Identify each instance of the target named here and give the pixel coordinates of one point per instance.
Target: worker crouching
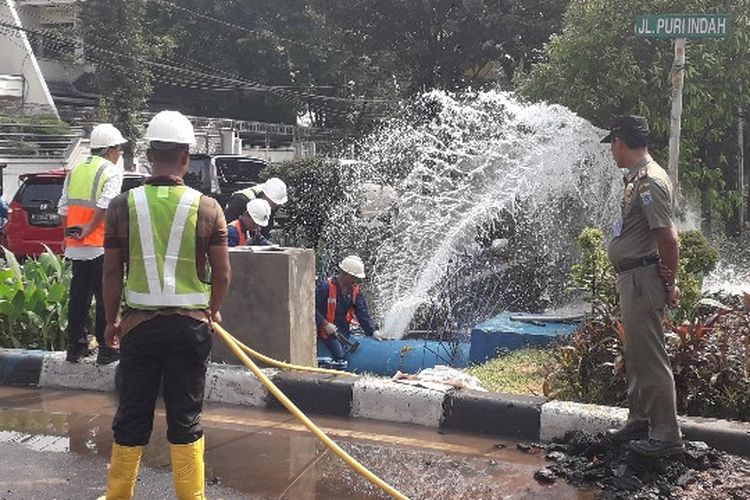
(166, 235)
(338, 301)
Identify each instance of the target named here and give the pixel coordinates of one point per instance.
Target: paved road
(55, 445)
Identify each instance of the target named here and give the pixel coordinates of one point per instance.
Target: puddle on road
(265, 454)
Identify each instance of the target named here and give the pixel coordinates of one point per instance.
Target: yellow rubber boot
(123, 472)
(188, 472)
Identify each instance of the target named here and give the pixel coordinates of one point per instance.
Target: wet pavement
(56, 444)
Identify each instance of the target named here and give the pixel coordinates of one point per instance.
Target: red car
(33, 220)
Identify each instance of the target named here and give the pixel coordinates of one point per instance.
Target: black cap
(629, 127)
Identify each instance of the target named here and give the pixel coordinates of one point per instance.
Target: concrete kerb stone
(509, 415)
(559, 417)
(20, 366)
(382, 399)
(235, 385)
(316, 392)
(86, 375)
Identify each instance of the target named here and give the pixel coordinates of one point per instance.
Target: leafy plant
(315, 187)
(594, 274)
(588, 366)
(697, 258)
(34, 301)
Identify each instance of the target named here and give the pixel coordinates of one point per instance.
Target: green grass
(517, 372)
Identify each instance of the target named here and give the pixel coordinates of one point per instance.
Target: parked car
(33, 220)
(221, 175)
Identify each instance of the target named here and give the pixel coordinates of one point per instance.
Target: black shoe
(634, 429)
(76, 351)
(656, 449)
(107, 355)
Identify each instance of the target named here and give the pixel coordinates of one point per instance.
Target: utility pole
(675, 128)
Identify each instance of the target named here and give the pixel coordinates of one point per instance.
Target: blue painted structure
(502, 332)
(386, 357)
(487, 340)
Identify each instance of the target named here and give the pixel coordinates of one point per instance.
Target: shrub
(709, 350)
(314, 190)
(697, 259)
(594, 274)
(34, 302)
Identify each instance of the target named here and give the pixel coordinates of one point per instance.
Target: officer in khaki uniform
(644, 239)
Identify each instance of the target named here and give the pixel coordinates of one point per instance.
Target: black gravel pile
(585, 460)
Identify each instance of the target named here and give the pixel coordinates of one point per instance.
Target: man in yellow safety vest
(167, 236)
(273, 191)
(86, 194)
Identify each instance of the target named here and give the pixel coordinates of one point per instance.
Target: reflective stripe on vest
(251, 192)
(238, 226)
(162, 272)
(333, 302)
(85, 185)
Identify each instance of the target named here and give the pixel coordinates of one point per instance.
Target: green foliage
(710, 359)
(438, 44)
(34, 302)
(588, 367)
(515, 372)
(315, 188)
(125, 81)
(709, 352)
(599, 68)
(594, 274)
(697, 255)
(697, 258)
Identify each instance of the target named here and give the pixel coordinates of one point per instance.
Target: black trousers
(86, 284)
(172, 351)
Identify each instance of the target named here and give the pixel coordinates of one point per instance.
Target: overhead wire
(206, 81)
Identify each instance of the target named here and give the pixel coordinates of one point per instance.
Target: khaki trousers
(651, 390)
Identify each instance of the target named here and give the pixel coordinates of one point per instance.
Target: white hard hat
(353, 265)
(260, 211)
(105, 135)
(170, 126)
(275, 189)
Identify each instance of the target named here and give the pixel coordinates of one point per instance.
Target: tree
(599, 68)
(399, 47)
(117, 42)
(274, 44)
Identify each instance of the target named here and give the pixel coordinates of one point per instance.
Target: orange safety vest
(238, 226)
(331, 306)
(81, 210)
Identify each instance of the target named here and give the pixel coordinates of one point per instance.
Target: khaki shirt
(647, 205)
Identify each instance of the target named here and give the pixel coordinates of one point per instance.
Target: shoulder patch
(646, 198)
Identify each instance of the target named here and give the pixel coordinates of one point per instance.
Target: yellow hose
(354, 464)
(286, 366)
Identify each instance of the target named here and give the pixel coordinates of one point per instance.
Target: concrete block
(315, 392)
(271, 305)
(559, 417)
(730, 436)
(508, 415)
(382, 399)
(20, 366)
(86, 375)
(235, 385)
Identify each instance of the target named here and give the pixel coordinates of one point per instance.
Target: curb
(20, 366)
(504, 415)
(510, 415)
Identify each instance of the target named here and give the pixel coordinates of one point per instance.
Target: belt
(632, 264)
